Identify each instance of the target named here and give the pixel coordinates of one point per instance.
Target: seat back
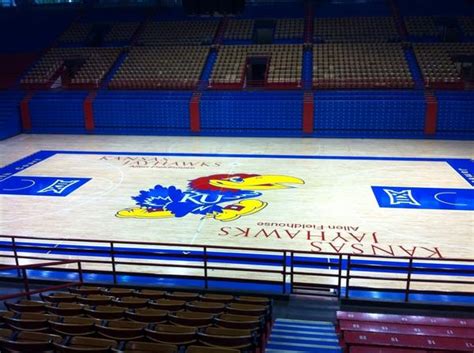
(167, 304)
(122, 330)
(147, 315)
(206, 307)
(104, 312)
(134, 346)
(26, 306)
(179, 335)
(29, 342)
(192, 319)
(65, 309)
(203, 349)
(85, 344)
(74, 326)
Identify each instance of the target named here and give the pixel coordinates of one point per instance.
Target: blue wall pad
(369, 113)
(144, 112)
(10, 124)
(278, 111)
(58, 112)
(455, 113)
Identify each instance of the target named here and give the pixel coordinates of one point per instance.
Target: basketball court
(393, 198)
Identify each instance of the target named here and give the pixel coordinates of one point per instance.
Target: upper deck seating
(360, 65)
(178, 33)
(355, 29)
(161, 67)
(285, 64)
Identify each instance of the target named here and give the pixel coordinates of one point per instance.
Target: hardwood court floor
(316, 195)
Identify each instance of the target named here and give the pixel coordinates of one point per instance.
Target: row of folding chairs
(11, 341)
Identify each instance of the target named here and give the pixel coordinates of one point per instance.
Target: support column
(25, 111)
(431, 115)
(308, 113)
(89, 111)
(194, 112)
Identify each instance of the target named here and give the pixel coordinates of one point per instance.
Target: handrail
(224, 247)
(298, 269)
(26, 286)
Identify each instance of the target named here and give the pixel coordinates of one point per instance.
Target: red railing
(293, 271)
(23, 273)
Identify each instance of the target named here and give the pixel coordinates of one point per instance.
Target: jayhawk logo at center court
(223, 197)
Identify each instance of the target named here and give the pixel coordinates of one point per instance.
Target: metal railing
(288, 271)
(22, 272)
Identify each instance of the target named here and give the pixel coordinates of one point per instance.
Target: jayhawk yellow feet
(141, 212)
(237, 210)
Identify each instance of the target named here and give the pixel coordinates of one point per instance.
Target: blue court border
(462, 166)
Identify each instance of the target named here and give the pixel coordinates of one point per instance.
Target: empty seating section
(178, 33)
(371, 333)
(289, 28)
(360, 65)
(76, 33)
(121, 32)
(239, 29)
(467, 25)
(161, 67)
(421, 26)
(284, 70)
(84, 67)
(437, 62)
(355, 29)
(38, 326)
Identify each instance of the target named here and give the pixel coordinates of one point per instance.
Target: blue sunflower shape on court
(224, 197)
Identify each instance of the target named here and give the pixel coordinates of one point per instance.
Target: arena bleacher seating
(76, 33)
(239, 29)
(421, 26)
(369, 332)
(178, 33)
(438, 62)
(284, 69)
(361, 65)
(467, 25)
(177, 67)
(125, 320)
(388, 46)
(90, 67)
(355, 29)
(288, 28)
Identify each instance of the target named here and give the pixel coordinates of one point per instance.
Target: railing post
(348, 274)
(15, 254)
(112, 256)
(284, 272)
(206, 282)
(407, 288)
(26, 284)
(339, 277)
(292, 276)
(79, 270)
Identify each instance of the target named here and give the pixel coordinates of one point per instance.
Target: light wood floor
(333, 211)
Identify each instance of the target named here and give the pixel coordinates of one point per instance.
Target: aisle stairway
(299, 336)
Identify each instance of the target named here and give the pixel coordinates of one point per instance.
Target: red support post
(308, 113)
(89, 111)
(25, 111)
(194, 112)
(431, 115)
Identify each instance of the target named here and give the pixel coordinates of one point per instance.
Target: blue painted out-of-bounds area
(424, 198)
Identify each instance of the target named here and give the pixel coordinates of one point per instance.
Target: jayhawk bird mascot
(206, 196)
